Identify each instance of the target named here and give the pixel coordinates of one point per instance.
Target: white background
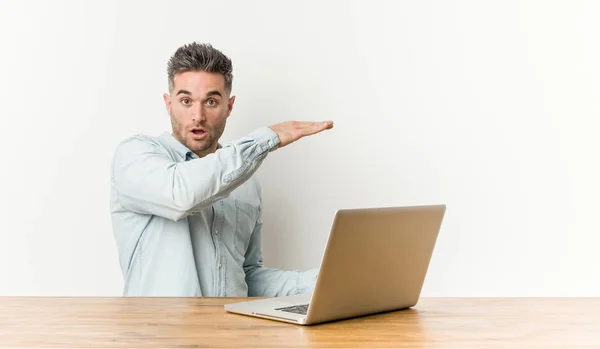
(490, 107)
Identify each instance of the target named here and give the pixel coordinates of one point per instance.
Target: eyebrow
(214, 93)
(185, 92)
(209, 94)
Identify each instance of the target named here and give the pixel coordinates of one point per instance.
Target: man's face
(199, 107)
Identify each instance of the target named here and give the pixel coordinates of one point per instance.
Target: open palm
(291, 131)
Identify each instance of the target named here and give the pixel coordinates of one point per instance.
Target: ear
(230, 105)
(167, 99)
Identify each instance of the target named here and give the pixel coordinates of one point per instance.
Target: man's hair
(200, 57)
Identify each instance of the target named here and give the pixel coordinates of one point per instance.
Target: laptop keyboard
(296, 309)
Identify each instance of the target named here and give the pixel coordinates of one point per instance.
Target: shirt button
(220, 265)
(217, 232)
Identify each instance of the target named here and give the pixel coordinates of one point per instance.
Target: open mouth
(198, 133)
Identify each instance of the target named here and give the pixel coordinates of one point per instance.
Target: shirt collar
(179, 148)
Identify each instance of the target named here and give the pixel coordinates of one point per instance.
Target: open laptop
(375, 261)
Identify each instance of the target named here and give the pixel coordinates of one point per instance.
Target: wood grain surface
(29, 322)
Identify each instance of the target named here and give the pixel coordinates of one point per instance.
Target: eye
(186, 101)
(211, 103)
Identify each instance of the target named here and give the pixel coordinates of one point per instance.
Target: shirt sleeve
(147, 181)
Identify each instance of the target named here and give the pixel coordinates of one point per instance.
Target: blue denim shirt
(188, 226)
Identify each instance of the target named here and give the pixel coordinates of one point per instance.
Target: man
(186, 210)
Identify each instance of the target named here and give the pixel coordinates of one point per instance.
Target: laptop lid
(376, 260)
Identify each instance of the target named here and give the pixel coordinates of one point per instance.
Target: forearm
(269, 282)
(148, 182)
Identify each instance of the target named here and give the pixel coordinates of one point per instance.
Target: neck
(211, 150)
(202, 154)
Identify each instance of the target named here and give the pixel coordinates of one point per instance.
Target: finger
(316, 128)
(317, 125)
(325, 125)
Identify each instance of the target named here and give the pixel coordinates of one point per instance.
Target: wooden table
(202, 323)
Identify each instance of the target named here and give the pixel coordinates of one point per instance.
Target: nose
(199, 114)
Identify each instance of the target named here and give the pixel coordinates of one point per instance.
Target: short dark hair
(200, 57)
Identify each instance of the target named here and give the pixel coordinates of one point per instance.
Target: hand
(291, 131)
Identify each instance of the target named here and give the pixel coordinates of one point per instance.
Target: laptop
(375, 261)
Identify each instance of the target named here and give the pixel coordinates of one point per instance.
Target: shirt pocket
(246, 216)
